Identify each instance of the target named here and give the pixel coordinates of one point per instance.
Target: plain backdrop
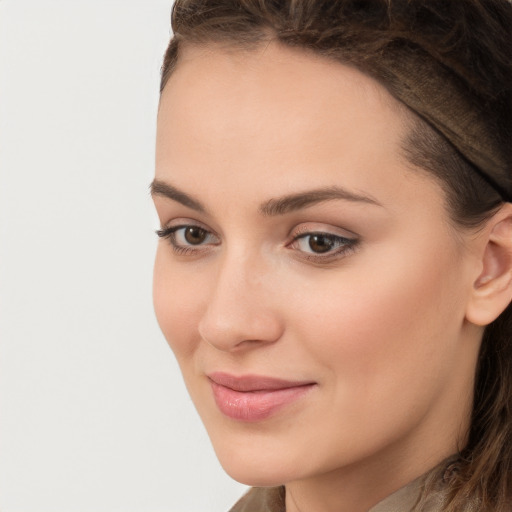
(94, 416)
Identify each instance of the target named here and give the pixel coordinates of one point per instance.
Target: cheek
(381, 343)
(176, 301)
(376, 327)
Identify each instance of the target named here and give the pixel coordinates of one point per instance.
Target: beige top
(272, 499)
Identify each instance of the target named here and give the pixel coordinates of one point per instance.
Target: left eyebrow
(300, 200)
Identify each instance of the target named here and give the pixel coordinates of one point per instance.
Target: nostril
(236, 332)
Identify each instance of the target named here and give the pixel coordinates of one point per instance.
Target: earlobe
(492, 289)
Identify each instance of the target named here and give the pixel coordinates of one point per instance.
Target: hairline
(413, 125)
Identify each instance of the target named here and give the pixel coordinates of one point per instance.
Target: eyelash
(170, 234)
(343, 245)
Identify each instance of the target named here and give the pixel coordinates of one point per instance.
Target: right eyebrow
(160, 188)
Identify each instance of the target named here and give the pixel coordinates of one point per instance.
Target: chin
(254, 464)
(255, 476)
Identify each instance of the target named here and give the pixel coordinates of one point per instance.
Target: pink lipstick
(254, 398)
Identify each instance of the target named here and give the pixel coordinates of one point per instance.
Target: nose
(241, 309)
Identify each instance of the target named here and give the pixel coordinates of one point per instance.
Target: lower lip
(253, 406)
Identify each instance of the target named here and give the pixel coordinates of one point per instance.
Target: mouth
(252, 398)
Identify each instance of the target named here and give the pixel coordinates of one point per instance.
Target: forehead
(283, 79)
(277, 114)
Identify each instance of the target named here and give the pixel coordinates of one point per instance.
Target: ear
(492, 290)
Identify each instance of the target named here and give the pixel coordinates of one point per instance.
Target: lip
(253, 398)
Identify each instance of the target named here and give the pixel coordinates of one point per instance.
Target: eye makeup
(315, 245)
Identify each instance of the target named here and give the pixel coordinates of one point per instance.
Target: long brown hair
(451, 64)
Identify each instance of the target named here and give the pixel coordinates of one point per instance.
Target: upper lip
(254, 382)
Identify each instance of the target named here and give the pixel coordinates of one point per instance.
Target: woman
(334, 273)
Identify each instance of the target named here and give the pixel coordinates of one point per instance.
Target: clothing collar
(272, 499)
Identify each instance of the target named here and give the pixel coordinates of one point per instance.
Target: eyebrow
(160, 188)
(300, 200)
(272, 207)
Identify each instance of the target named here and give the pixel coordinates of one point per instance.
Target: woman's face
(308, 279)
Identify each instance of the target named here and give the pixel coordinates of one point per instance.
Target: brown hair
(450, 63)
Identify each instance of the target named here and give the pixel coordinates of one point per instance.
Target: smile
(253, 398)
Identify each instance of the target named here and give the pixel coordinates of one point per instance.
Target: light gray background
(93, 412)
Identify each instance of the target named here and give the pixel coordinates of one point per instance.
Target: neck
(361, 486)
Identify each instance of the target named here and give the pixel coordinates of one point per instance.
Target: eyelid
(327, 229)
(347, 242)
(169, 232)
(184, 222)
(344, 241)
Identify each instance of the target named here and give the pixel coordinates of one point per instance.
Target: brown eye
(195, 235)
(190, 237)
(320, 243)
(323, 246)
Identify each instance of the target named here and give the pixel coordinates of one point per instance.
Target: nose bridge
(240, 307)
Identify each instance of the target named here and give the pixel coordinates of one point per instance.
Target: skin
(381, 326)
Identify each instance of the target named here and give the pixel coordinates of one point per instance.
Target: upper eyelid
(296, 232)
(325, 233)
(170, 233)
(178, 227)
(184, 222)
(304, 230)
(346, 241)
(346, 244)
